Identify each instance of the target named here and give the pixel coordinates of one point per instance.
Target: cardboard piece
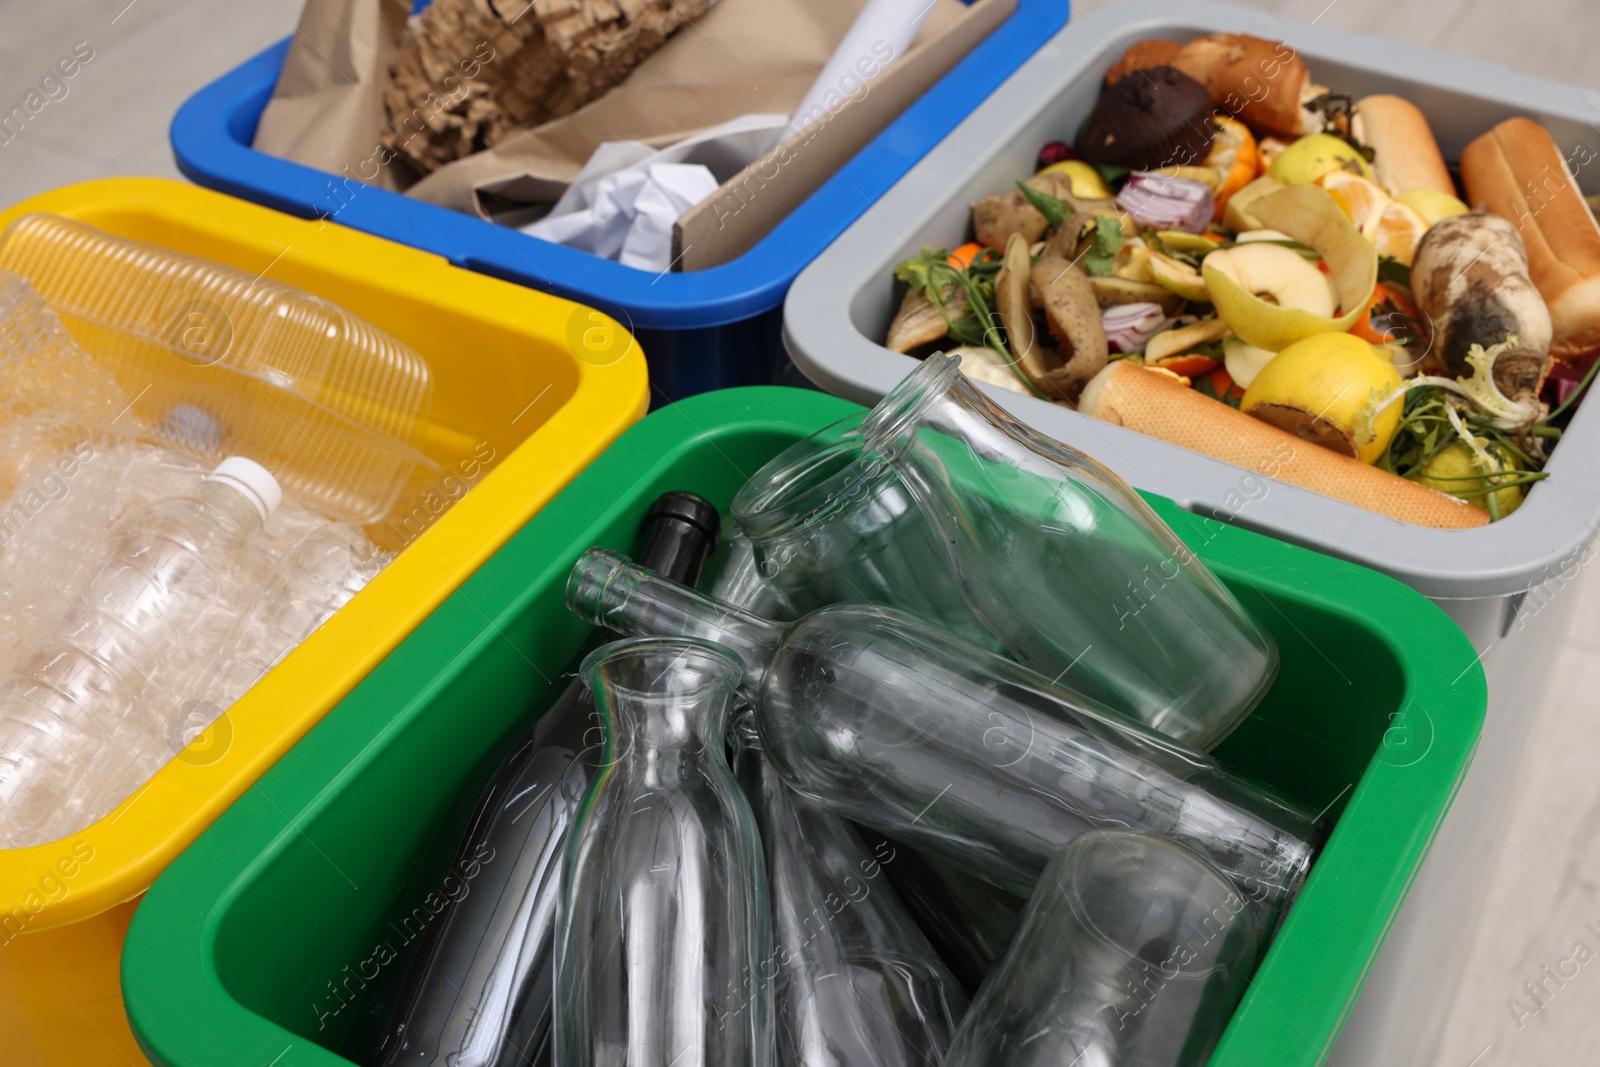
(747, 206)
(741, 57)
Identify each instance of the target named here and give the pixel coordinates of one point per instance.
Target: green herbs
(1055, 211)
(1393, 272)
(1102, 252)
(1436, 420)
(1108, 235)
(1205, 386)
(971, 319)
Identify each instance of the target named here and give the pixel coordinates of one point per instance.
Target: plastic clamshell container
(284, 931)
(700, 330)
(517, 411)
(839, 309)
(222, 361)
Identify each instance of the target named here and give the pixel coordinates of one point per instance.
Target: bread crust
(1154, 404)
(1516, 171)
(1405, 154)
(1142, 55)
(1260, 82)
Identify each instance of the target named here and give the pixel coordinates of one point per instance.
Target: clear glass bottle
(1133, 952)
(480, 990)
(829, 524)
(855, 982)
(1067, 566)
(968, 921)
(895, 724)
(740, 581)
(663, 932)
(165, 592)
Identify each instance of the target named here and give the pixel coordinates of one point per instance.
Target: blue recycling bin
(700, 330)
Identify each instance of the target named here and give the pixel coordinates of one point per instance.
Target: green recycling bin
(283, 934)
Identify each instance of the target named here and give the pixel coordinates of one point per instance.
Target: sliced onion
(1164, 203)
(1129, 327)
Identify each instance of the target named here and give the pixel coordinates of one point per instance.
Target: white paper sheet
(624, 202)
(879, 35)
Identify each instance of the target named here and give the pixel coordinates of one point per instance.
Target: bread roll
(1129, 395)
(1261, 83)
(1515, 171)
(1405, 155)
(1143, 55)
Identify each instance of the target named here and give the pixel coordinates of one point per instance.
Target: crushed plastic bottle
(53, 396)
(166, 591)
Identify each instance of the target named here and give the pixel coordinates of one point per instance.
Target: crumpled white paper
(623, 204)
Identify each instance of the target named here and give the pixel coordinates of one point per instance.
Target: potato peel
(1309, 215)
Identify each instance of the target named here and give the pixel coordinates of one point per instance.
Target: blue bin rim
(211, 131)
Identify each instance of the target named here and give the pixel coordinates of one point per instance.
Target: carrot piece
(1188, 366)
(961, 258)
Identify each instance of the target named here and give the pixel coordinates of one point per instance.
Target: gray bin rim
(1546, 540)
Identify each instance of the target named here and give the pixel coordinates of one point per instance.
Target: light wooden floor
(151, 54)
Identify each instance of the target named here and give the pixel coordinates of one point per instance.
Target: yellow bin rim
(117, 858)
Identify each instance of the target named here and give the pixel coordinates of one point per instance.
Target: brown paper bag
(327, 110)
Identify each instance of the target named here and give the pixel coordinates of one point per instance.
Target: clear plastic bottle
(664, 930)
(900, 726)
(855, 983)
(1132, 952)
(162, 599)
(317, 576)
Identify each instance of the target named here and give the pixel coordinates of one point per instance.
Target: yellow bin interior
(523, 399)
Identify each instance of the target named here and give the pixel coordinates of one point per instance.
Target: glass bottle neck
(607, 589)
(662, 697)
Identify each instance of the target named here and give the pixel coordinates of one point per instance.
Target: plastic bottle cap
(252, 480)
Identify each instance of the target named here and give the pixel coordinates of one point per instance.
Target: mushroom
(1073, 315)
(920, 321)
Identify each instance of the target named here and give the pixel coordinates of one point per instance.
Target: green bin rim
(1299, 997)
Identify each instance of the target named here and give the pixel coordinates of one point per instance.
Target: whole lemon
(1314, 155)
(1321, 389)
(1457, 470)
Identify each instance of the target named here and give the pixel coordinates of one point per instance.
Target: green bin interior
(281, 936)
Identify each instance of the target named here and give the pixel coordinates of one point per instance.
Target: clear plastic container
(221, 362)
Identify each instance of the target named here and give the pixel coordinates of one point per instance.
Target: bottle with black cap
(479, 991)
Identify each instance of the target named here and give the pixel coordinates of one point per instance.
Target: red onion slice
(1164, 203)
(1130, 326)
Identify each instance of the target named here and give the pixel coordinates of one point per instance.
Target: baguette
(1128, 395)
(1405, 154)
(1261, 83)
(1515, 171)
